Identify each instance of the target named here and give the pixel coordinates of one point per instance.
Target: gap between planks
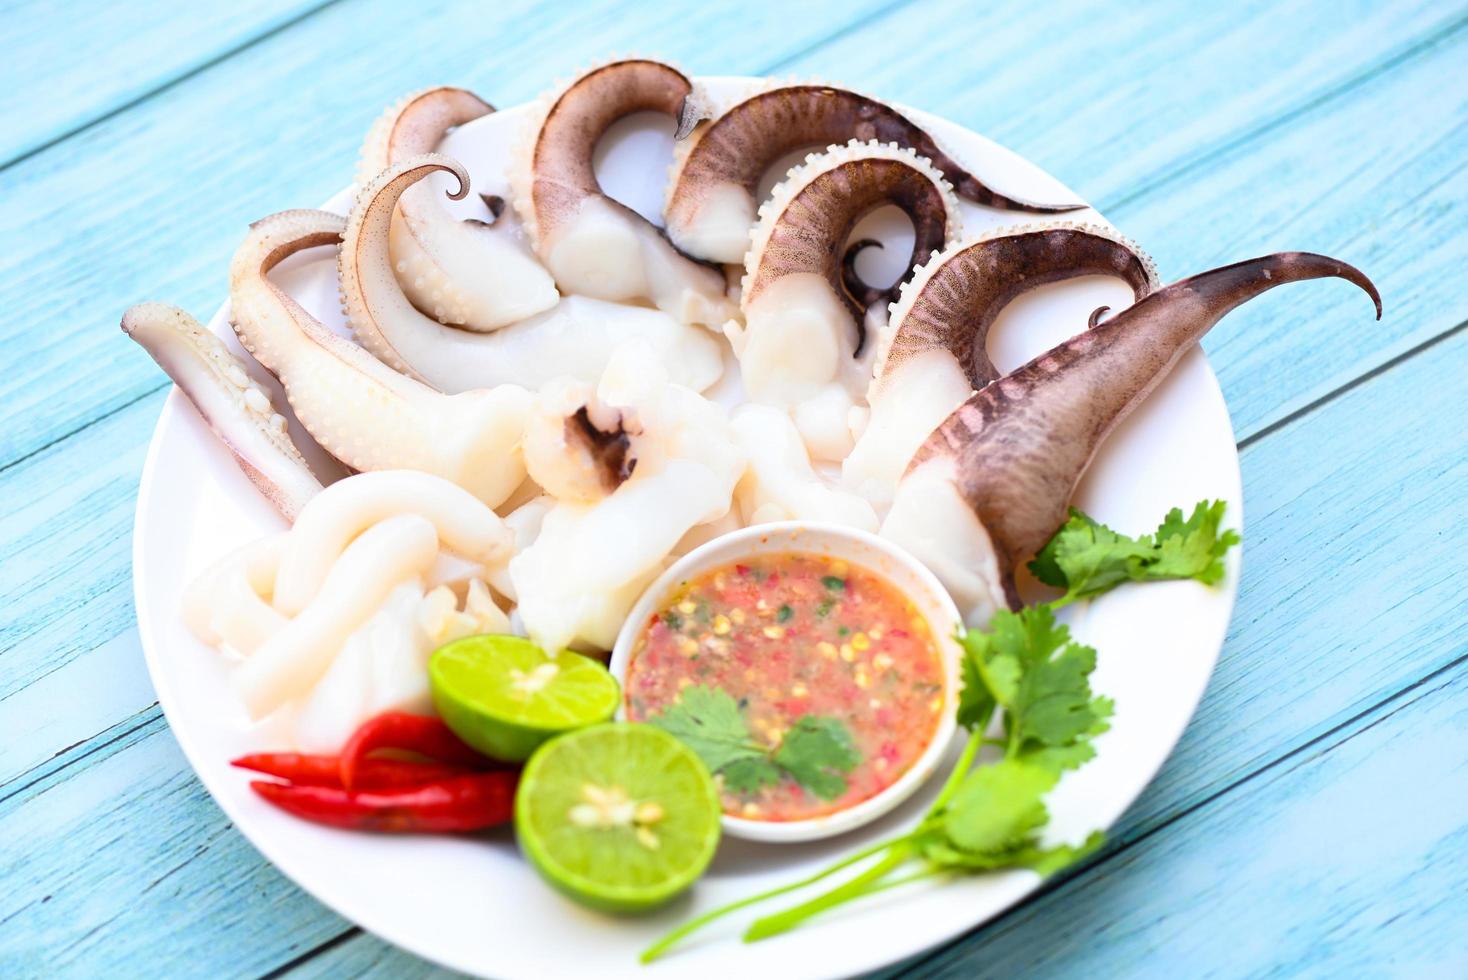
(164, 86)
(1401, 56)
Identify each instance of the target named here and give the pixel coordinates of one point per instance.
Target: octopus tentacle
(592, 244)
(577, 336)
(711, 196)
(1012, 454)
(463, 273)
(360, 410)
(953, 300)
(238, 411)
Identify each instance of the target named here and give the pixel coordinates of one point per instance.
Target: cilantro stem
(964, 764)
(672, 938)
(867, 881)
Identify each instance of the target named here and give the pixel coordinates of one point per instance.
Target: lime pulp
(620, 816)
(505, 696)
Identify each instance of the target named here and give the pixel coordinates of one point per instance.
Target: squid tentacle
(711, 196)
(462, 273)
(237, 410)
(953, 300)
(592, 244)
(1013, 453)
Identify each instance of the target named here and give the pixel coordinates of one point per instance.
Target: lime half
(504, 695)
(620, 817)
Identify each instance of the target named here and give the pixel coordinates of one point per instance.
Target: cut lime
(504, 695)
(620, 817)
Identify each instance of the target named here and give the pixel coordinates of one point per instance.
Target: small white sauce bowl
(905, 573)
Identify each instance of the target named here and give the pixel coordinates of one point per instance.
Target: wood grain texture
(69, 63)
(1233, 131)
(1311, 646)
(1209, 134)
(221, 137)
(279, 126)
(1350, 859)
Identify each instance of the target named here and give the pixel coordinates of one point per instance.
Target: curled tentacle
(711, 196)
(952, 302)
(593, 245)
(575, 337)
(995, 478)
(460, 272)
(803, 323)
(237, 410)
(360, 410)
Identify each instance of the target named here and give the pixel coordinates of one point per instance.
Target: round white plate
(473, 904)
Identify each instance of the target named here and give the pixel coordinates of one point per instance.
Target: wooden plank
(103, 856)
(278, 126)
(221, 137)
(1347, 598)
(1233, 132)
(70, 63)
(1350, 859)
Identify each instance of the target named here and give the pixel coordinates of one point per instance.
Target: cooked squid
(234, 407)
(590, 560)
(593, 245)
(716, 174)
(467, 273)
(360, 410)
(575, 336)
(990, 486)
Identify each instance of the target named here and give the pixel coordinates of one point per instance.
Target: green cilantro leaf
(1087, 558)
(975, 703)
(748, 776)
(996, 808)
(817, 752)
(1192, 548)
(1028, 665)
(710, 723)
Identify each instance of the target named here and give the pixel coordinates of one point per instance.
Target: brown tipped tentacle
(561, 165)
(809, 217)
(237, 409)
(953, 301)
(592, 244)
(1019, 446)
(735, 150)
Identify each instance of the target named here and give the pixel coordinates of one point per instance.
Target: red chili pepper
(472, 802)
(424, 734)
(326, 770)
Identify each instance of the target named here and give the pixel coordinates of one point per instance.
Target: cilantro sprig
(1027, 680)
(816, 752)
(1086, 558)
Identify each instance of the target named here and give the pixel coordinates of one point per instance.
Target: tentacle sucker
(593, 245)
(238, 411)
(359, 409)
(577, 336)
(953, 300)
(992, 483)
(934, 352)
(461, 272)
(803, 325)
(711, 194)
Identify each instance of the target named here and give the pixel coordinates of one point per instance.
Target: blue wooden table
(1314, 818)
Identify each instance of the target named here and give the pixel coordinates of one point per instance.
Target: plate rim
(888, 954)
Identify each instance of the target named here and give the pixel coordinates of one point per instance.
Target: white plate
(474, 905)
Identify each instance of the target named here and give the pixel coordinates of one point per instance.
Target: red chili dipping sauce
(806, 683)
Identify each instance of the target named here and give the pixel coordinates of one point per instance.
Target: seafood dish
(635, 534)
